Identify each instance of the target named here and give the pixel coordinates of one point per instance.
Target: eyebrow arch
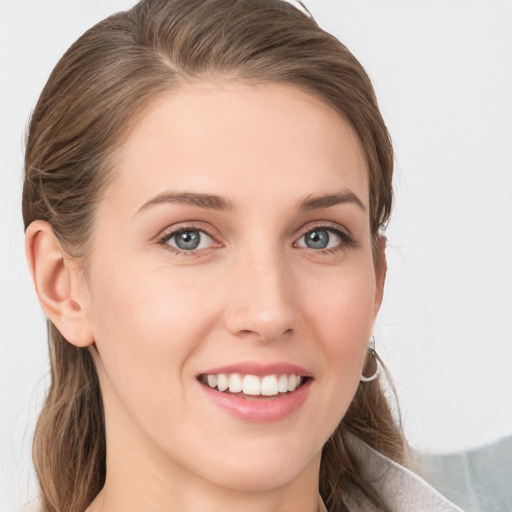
(328, 200)
(208, 201)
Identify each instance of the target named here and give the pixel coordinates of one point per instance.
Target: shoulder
(400, 488)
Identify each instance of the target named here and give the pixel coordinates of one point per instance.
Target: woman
(206, 185)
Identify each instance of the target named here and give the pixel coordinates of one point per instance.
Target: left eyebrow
(328, 200)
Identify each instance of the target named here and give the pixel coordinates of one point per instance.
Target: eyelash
(347, 241)
(183, 229)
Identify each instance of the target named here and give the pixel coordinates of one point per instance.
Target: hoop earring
(372, 354)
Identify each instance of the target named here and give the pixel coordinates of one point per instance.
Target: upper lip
(259, 369)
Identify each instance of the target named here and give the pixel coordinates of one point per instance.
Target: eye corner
(326, 233)
(198, 240)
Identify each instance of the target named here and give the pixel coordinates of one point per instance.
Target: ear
(381, 268)
(57, 282)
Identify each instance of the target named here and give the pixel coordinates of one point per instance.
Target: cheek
(341, 305)
(342, 314)
(143, 306)
(145, 327)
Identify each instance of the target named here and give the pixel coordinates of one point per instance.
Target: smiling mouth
(253, 386)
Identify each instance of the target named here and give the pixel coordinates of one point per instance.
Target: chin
(264, 467)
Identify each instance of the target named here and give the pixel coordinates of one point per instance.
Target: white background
(443, 74)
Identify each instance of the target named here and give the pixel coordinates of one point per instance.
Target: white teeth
(222, 382)
(268, 385)
(251, 385)
(292, 383)
(282, 384)
(235, 383)
(212, 381)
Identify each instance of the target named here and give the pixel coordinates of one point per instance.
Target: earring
(372, 354)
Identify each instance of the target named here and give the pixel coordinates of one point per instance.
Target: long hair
(94, 96)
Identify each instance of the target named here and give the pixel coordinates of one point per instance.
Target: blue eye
(321, 238)
(189, 240)
(318, 239)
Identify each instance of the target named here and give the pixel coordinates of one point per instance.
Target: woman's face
(232, 248)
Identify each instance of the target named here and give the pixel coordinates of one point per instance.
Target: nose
(260, 299)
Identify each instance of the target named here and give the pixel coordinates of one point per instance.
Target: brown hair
(94, 95)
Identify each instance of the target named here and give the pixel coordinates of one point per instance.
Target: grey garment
(479, 479)
(401, 489)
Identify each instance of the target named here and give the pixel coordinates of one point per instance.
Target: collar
(400, 488)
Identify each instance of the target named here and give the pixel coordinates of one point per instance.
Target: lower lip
(261, 409)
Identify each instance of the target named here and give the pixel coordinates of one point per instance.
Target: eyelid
(168, 233)
(165, 235)
(347, 240)
(323, 224)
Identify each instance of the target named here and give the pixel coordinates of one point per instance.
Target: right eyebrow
(208, 201)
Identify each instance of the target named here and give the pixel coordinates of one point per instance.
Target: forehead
(226, 136)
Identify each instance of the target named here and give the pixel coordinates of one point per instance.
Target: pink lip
(259, 409)
(259, 369)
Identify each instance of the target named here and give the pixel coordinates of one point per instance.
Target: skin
(253, 291)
